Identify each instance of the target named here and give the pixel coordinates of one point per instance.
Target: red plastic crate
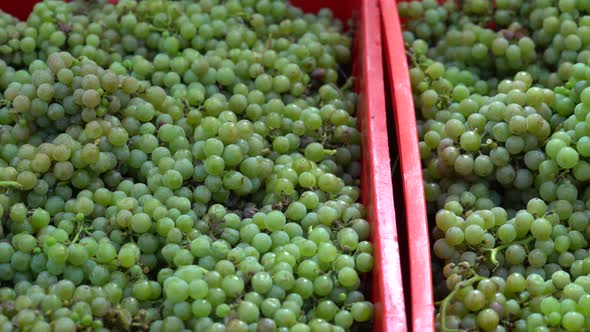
(386, 279)
(420, 277)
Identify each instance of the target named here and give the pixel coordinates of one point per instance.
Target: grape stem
(494, 252)
(154, 28)
(79, 232)
(347, 85)
(489, 143)
(444, 303)
(12, 184)
(75, 239)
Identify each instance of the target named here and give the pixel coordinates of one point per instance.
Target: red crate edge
(421, 292)
(388, 269)
(388, 293)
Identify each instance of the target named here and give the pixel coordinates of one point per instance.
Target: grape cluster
(505, 144)
(543, 38)
(180, 166)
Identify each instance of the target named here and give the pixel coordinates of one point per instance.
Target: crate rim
(421, 288)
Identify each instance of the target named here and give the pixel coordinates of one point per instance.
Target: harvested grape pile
(179, 166)
(502, 94)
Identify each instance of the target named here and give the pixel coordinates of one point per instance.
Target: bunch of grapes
(505, 144)
(180, 166)
(543, 38)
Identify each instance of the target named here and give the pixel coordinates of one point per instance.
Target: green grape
(170, 137)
